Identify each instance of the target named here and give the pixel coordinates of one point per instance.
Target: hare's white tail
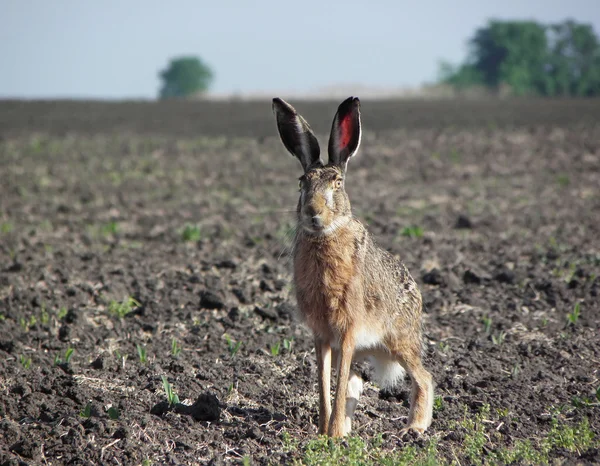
(387, 371)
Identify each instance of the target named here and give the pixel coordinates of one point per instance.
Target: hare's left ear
(345, 133)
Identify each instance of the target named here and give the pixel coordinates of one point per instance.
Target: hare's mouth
(317, 228)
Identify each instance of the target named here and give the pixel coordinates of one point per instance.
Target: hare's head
(323, 206)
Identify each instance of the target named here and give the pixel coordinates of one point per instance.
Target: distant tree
(531, 58)
(574, 64)
(185, 76)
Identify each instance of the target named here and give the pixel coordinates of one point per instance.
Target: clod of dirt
(266, 313)
(285, 310)
(210, 300)
(160, 408)
(26, 448)
(234, 314)
(98, 363)
(241, 295)
(463, 222)
(505, 275)
(205, 408)
(475, 275)
(226, 264)
(433, 277)
(7, 346)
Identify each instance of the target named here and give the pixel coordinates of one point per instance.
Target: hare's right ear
(295, 133)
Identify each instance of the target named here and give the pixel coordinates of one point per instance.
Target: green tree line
(531, 59)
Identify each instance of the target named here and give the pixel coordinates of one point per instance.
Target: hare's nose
(317, 221)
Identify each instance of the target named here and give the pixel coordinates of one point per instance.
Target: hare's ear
(345, 133)
(295, 133)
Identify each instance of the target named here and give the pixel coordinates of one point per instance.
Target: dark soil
(187, 208)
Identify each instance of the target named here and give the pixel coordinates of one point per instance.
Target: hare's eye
(338, 184)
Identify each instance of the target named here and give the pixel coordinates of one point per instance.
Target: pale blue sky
(113, 49)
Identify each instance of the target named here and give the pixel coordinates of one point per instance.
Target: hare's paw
(414, 430)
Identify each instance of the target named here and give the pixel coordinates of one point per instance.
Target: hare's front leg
(323, 351)
(338, 420)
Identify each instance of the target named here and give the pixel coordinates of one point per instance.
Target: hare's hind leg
(323, 351)
(355, 389)
(421, 397)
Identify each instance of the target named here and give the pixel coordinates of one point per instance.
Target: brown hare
(359, 302)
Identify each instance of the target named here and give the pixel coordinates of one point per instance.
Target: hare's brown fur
(358, 300)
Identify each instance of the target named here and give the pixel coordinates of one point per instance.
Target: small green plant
(499, 338)
(175, 348)
(232, 346)
(123, 308)
(515, 370)
(287, 344)
(26, 324)
(487, 324)
(111, 228)
(69, 354)
(438, 404)
(573, 317)
(274, 349)
(147, 462)
(475, 437)
(44, 317)
(113, 413)
(6, 227)
(191, 233)
(412, 231)
(454, 156)
(122, 357)
(563, 180)
(172, 397)
(141, 350)
(86, 412)
(443, 346)
(62, 313)
(2, 317)
(25, 362)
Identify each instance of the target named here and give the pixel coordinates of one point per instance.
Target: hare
(358, 300)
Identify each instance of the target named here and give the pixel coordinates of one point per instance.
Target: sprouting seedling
(233, 346)
(111, 228)
(69, 354)
(172, 397)
(141, 350)
(67, 357)
(274, 348)
(438, 403)
(287, 344)
(191, 233)
(86, 412)
(25, 362)
(113, 413)
(412, 231)
(573, 317)
(487, 324)
(515, 371)
(499, 338)
(62, 313)
(175, 348)
(124, 307)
